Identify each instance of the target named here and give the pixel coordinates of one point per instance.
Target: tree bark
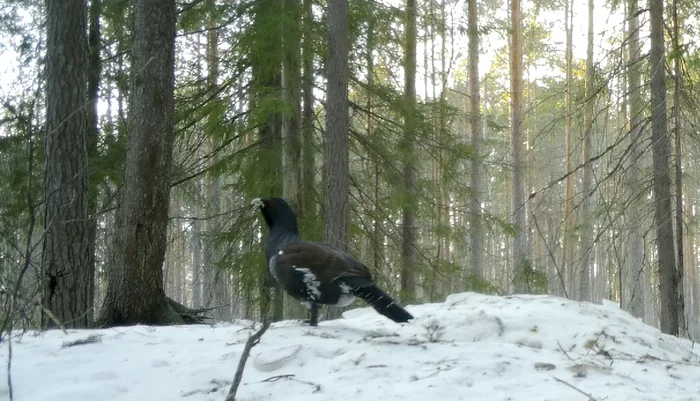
(67, 265)
(135, 291)
(408, 213)
(266, 59)
(661, 152)
(336, 154)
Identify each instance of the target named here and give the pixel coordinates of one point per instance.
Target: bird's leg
(314, 315)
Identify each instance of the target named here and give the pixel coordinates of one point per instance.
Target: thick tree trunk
(476, 234)
(408, 213)
(135, 291)
(336, 166)
(67, 265)
(266, 59)
(661, 150)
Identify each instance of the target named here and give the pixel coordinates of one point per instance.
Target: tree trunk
(584, 271)
(521, 264)
(476, 235)
(135, 291)
(308, 206)
(215, 286)
(266, 60)
(569, 217)
(376, 238)
(408, 213)
(682, 325)
(196, 245)
(291, 122)
(336, 167)
(94, 179)
(661, 150)
(633, 277)
(67, 265)
(443, 198)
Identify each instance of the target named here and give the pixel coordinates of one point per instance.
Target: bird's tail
(383, 303)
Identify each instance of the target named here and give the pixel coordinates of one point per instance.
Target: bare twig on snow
(590, 397)
(253, 340)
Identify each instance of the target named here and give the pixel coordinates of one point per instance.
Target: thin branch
(275, 378)
(7, 324)
(253, 340)
(590, 397)
(564, 351)
(205, 169)
(317, 387)
(560, 275)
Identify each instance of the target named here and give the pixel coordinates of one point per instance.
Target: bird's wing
(326, 263)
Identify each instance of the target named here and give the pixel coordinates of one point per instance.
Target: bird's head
(278, 215)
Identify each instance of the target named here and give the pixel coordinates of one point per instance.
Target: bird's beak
(258, 202)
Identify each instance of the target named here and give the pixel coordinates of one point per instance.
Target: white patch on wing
(311, 282)
(345, 300)
(271, 266)
(281, 252)
(346, 296)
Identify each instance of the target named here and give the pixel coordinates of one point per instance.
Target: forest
(500, 147)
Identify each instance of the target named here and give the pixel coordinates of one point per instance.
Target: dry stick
(562, 350)
(590, 397)
(317, 387)
(252, 341)
(275, 378)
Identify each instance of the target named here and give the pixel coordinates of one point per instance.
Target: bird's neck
(279, 238)
(282, 235)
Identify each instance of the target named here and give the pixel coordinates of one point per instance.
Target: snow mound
(470, 347)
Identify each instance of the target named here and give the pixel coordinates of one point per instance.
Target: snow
(470, 347)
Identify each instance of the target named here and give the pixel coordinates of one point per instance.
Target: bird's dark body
(317, 274)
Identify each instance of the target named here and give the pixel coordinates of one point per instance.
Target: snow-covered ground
(471, 347)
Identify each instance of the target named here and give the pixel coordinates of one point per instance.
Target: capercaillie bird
(318, 274)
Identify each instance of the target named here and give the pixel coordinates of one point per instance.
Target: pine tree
(67, 268)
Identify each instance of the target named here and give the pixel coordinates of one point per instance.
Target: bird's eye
(272, 203)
